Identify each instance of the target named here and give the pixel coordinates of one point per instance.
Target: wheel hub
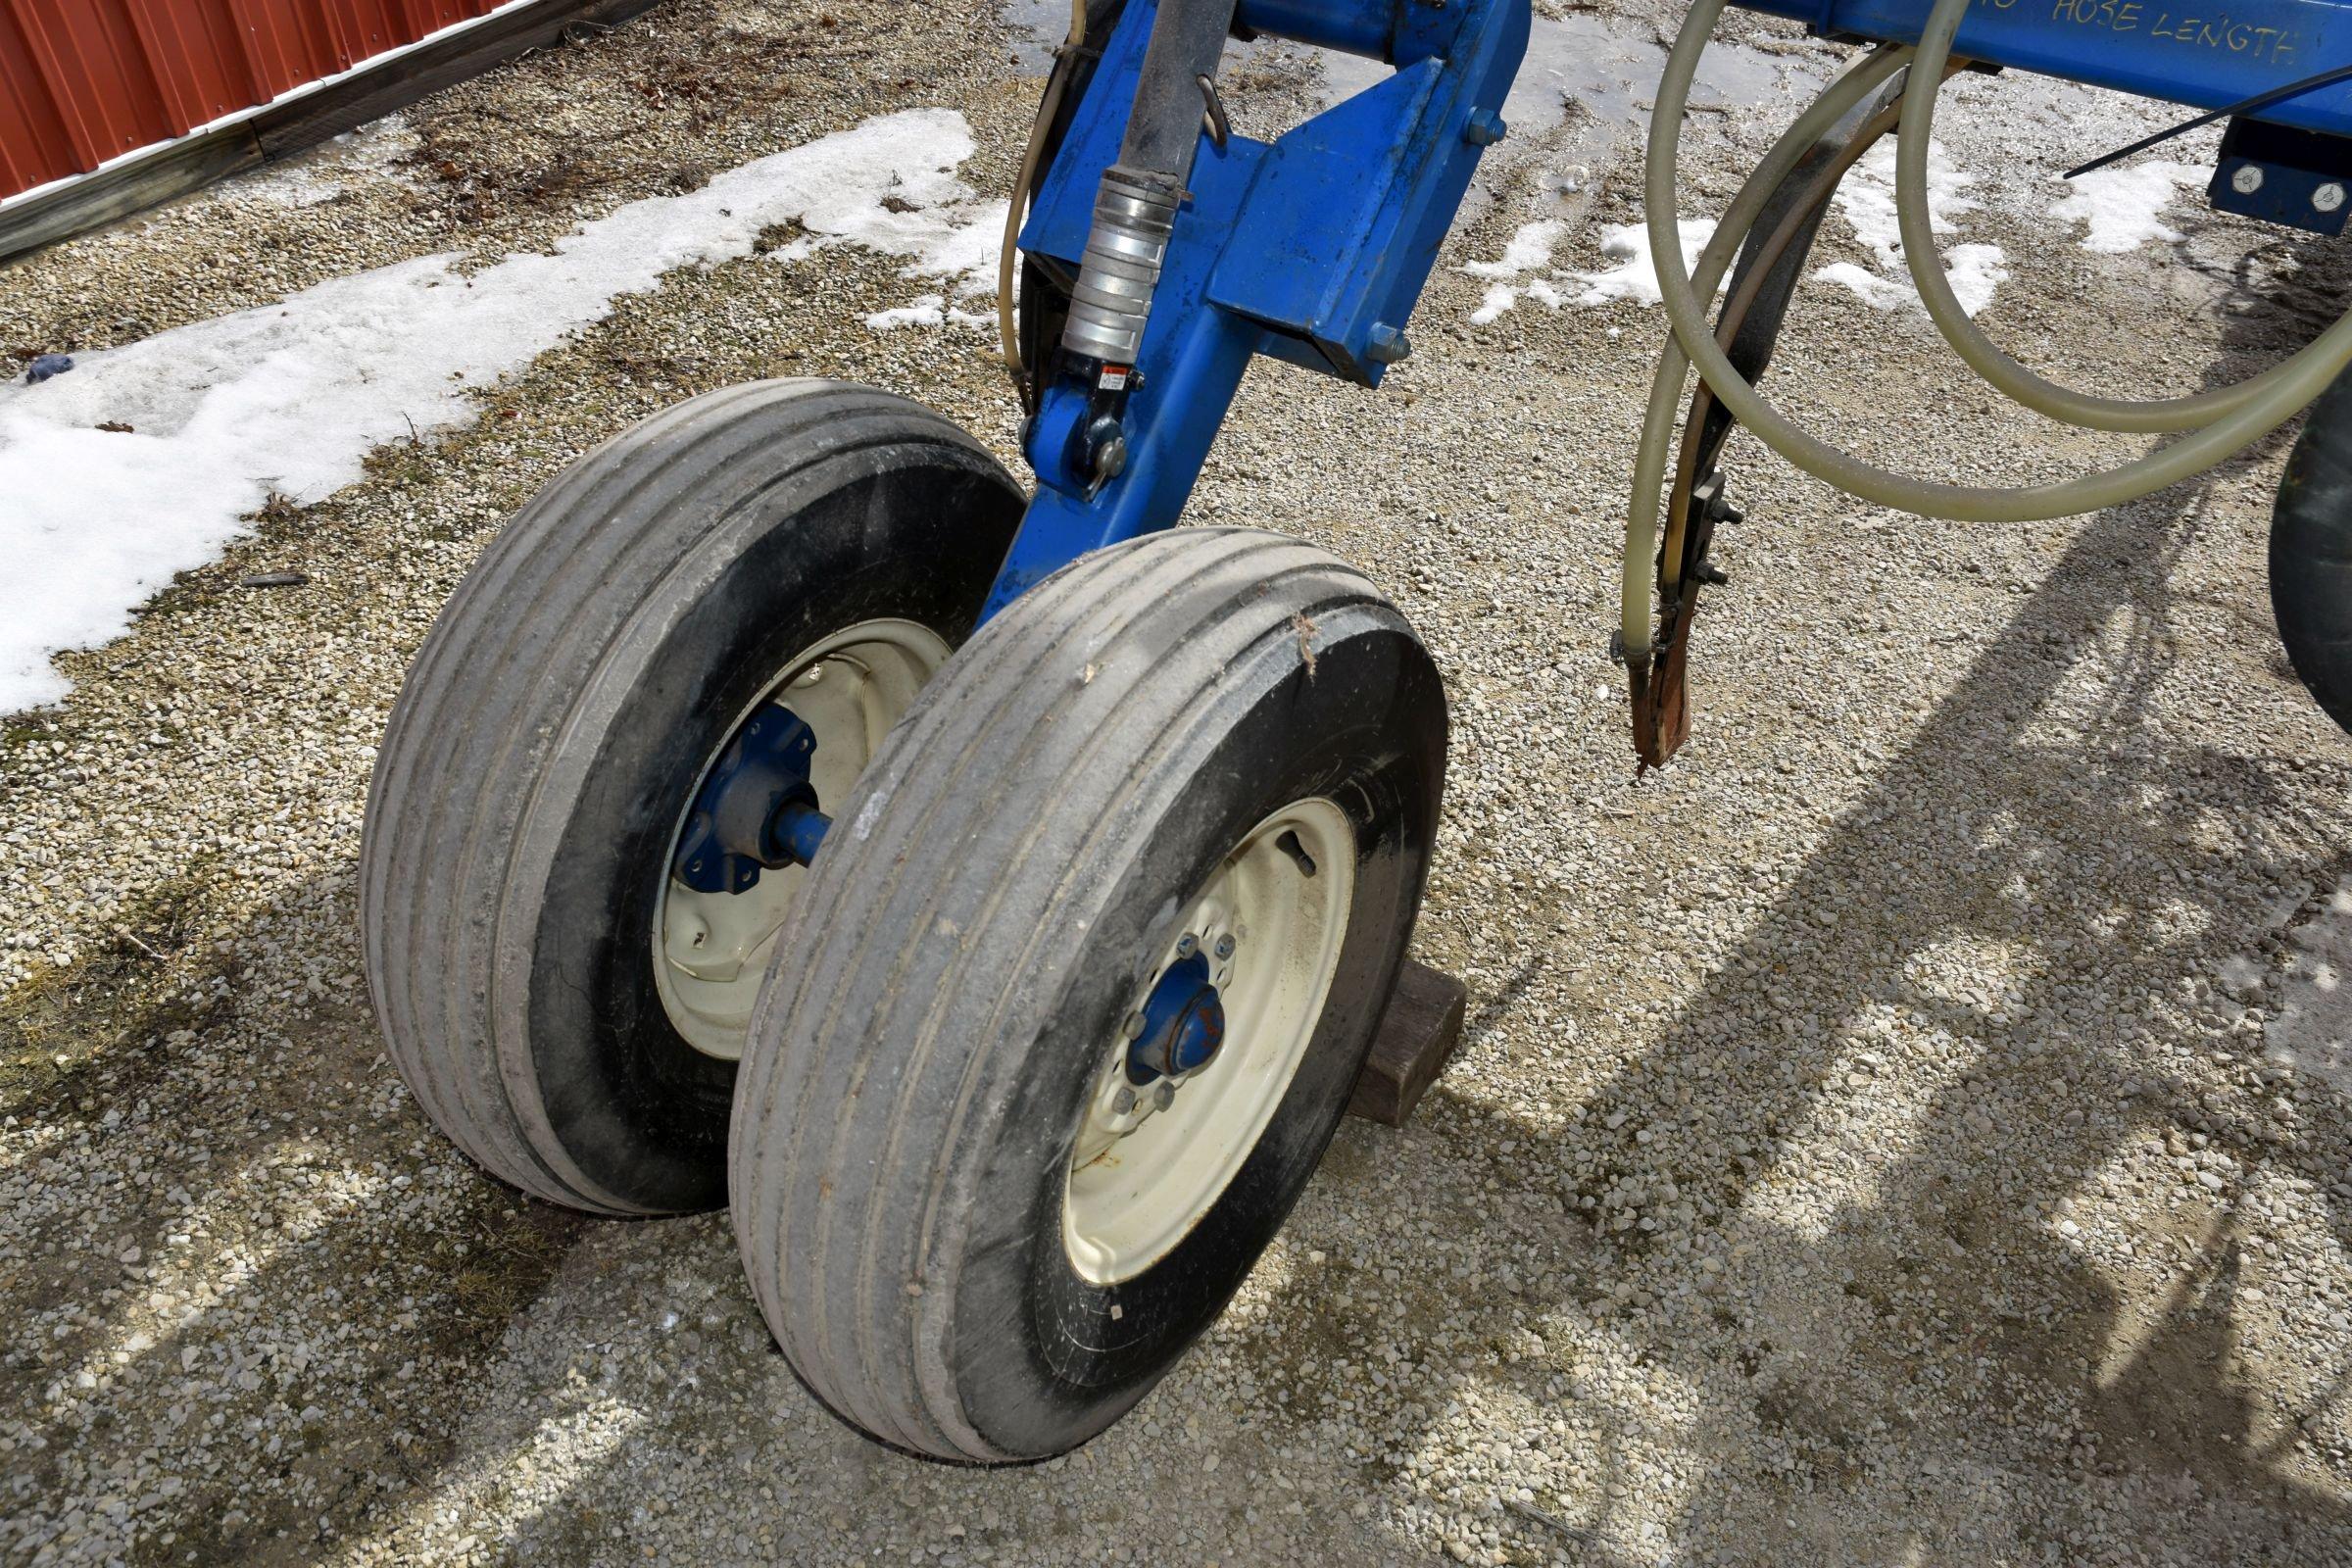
(753, 819)
(758, 808)
(1225, 1017)
(1182, 1024)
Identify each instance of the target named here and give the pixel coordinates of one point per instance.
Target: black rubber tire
(1001, 879)
(2311, 552)
(555, 721)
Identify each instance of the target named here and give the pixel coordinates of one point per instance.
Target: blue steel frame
(1314, 248)
(2205, 53)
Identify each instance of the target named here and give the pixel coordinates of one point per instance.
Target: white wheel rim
(1142, 1174)
(711, 948)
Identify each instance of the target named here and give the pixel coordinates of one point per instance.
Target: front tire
(924, 1088)
(516, 865)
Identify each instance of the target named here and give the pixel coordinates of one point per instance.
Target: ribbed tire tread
(869, 1084)
(484, 712)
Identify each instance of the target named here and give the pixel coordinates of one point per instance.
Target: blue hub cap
(1184, 1024)
(756, 808)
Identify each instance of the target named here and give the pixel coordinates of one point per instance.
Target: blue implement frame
(1313, 248)
(2205, 53)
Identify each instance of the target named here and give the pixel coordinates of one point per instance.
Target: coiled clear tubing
(2218, 423)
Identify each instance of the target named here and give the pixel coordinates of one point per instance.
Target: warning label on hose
(2216, 31)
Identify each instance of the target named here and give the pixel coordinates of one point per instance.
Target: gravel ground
(1910, 1130)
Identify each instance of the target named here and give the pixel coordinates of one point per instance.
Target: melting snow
(2311, 1027)
(928, 310)
(291, 397)
(1634, 276)
(2123, 207)
(1867, 199)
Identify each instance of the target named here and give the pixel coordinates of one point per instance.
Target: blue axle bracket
(757, 810)
(1312, 248)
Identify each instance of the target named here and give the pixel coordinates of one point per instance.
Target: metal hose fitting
(1134, 212)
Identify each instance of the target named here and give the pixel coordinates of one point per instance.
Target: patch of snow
(2312, 1027)
(1634, 276)
(1868, 201)
(1977, 272)
(324, 174)
(1868, 286)
(2123, 208)
(291, 397)
(927, 310)
(1525, 251)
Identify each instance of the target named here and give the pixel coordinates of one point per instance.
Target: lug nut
(1225, 947)
(1135, 1026)
(1123, 1102)
(1165, 1095)
(1187, 946)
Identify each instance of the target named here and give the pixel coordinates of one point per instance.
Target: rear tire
(560, 714)
(2311, 553)
(1005, 883)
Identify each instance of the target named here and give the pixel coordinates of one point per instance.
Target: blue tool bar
(2205, 53)
(1351, 27)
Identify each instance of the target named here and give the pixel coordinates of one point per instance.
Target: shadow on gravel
(235, 1313)
(1958, 1291)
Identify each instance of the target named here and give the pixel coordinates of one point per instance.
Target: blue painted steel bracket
(2206, 53)
(2283, 175)
(757, 807)
(1313, 248)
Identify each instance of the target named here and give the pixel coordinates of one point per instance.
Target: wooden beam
(1418, 1036)
(109, 195)
(430, 67)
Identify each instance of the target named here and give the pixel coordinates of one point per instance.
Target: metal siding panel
(34, 148)
(293, 39)
(192, 50)
(89, 53)
(82, 81)
(363, 29)
(425, 18)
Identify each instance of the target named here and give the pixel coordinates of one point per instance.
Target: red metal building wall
(85, 81)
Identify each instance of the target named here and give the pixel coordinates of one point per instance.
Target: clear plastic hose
(2043, 397)
(2258, 408)
(1666, 388)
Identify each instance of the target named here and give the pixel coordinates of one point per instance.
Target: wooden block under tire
(1418, 1036)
